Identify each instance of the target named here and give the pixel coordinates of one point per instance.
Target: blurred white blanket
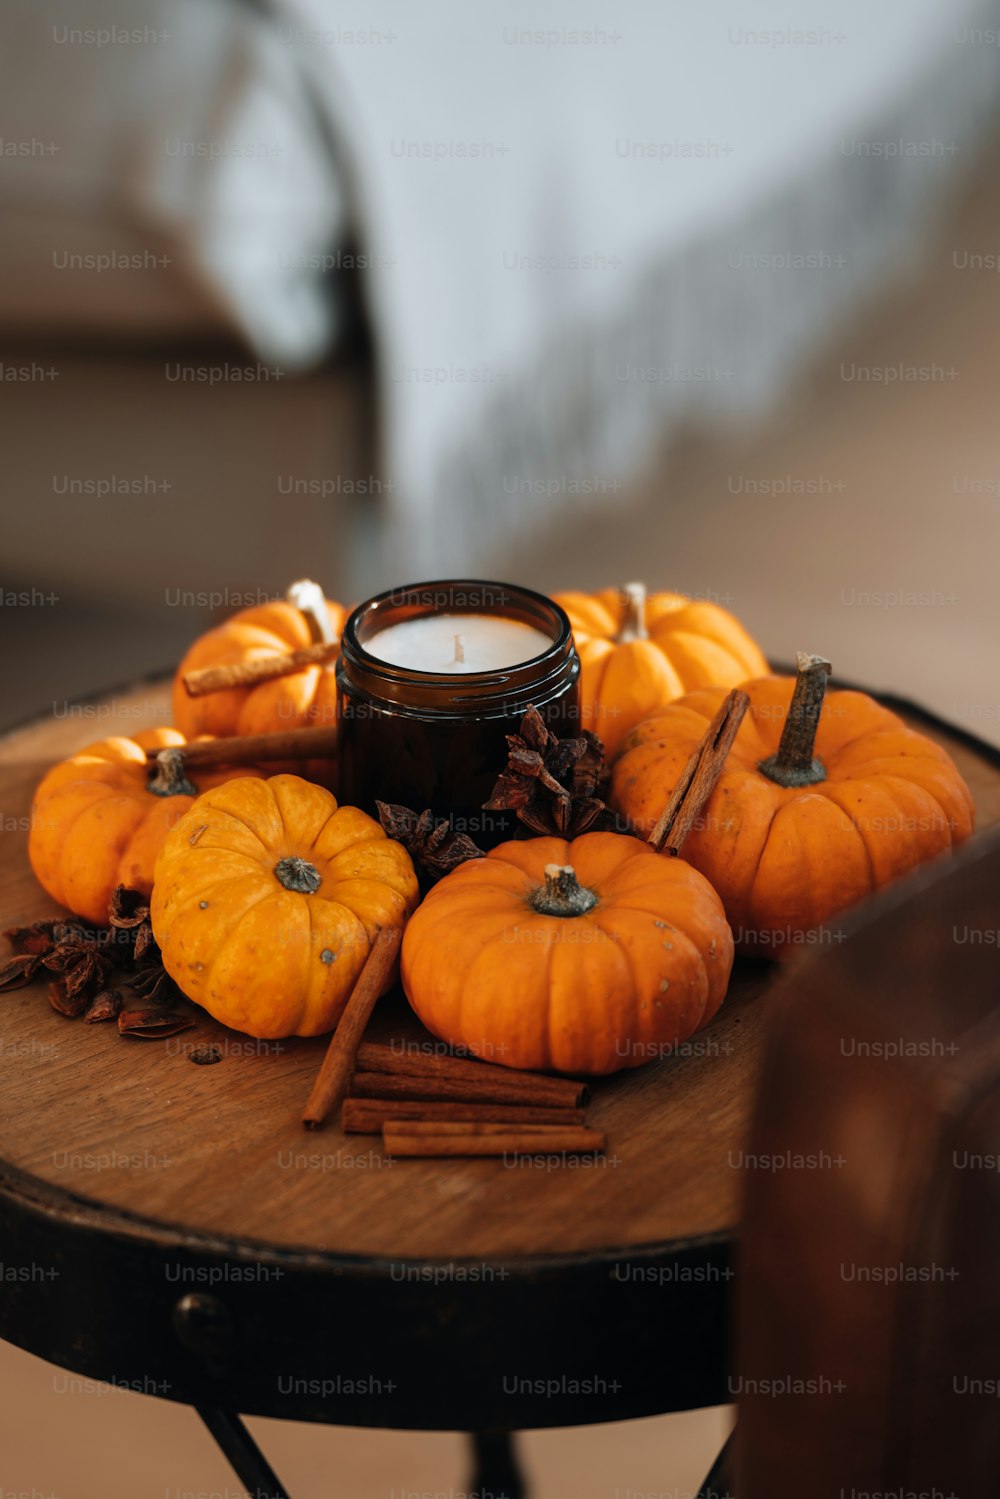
(589, 226)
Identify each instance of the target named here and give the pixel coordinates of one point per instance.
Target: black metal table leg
(719, 1483)
(242, 1451)
(497, 1469)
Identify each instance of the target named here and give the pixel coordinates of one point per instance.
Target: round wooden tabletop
(122, 1147)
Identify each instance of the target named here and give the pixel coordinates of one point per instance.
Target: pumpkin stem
(168, 778)
(633, 625)
(310, 601)
(562, 895)
(794, 764)
(298, 875)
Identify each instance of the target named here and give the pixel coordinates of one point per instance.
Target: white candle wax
(442, 643)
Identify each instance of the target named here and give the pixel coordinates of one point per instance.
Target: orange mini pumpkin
(267, 898)
(307, 696)
(584, 957)
(99, 818)
(821, 802)
(639, 652)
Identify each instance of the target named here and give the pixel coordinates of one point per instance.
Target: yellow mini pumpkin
(99, 818)
(584, 957)
(306, 697)
(822, 801)
(267, 898)
(638, 652)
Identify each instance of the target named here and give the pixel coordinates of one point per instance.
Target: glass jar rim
(455, 595)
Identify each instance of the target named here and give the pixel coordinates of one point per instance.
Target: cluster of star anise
(82, 960)
(75, 956)
(435, 847)
(551, 783)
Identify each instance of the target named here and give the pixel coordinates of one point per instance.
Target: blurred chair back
(869, 1313)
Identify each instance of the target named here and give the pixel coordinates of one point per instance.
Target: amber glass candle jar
(436, 738)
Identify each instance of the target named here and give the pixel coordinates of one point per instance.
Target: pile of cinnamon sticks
(426, 1103)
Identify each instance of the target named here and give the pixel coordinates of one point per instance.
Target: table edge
(25, 1193)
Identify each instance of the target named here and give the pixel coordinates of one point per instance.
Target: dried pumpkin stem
(168, 778)
(794, 764)
(298, 875)
(310, 601)
(633, 625)
(562, 894)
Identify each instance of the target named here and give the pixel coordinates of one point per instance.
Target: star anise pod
(104, 1006)
(35, 940)
(130, 929)
(145, 944)
(82, 957)
(153, 1024)
(82, 969)
(154, 983)
(128, 908)
(41, 936)
(549, 782)
(70, 1005)
(65, 954)
(435, 847)
(86, 974)
(136, 947)
(19, 970)
(65, 947)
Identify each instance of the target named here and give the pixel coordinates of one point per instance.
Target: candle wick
(459, 648)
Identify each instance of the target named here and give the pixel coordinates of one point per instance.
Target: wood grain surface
(135, 1124)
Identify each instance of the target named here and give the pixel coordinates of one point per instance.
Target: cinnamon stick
(490, 1089)
(408, 1140)
(251, 749)
(431, 1129)
(368, 1116)
(335, 1073)
(376, 1056)
(414, 1073)
(209, 679)
(700, 775)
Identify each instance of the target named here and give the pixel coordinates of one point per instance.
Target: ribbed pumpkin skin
(691, 644)
(584, 994)
(95, 825)
(283, 703)
(787, 860)
(259, 957)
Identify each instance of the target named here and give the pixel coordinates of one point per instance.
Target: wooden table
(179, 1233)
